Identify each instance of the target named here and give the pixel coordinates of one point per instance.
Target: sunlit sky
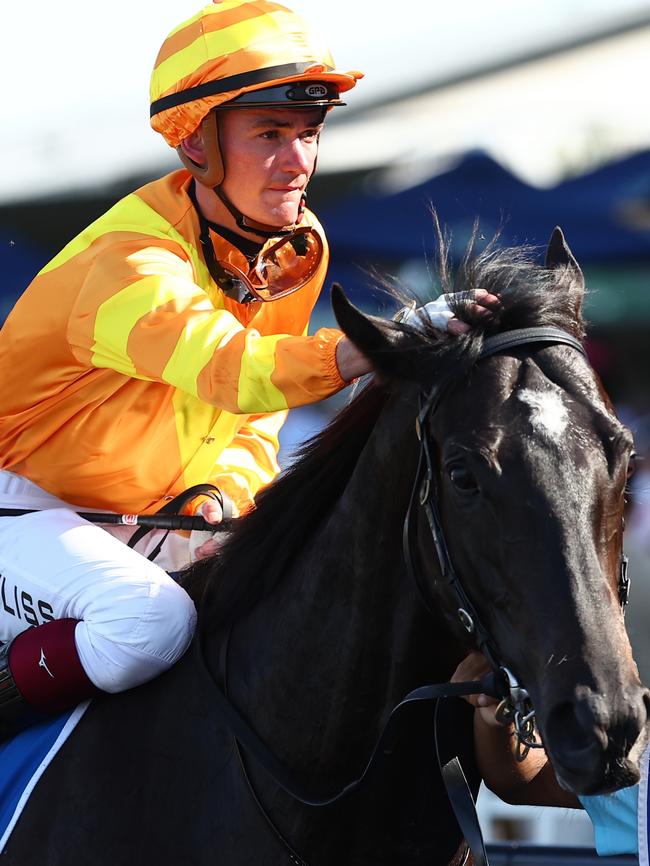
(75, 75)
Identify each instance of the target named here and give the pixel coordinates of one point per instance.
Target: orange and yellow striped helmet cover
(229, 48)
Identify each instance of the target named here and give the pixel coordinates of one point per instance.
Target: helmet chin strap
(248, 224)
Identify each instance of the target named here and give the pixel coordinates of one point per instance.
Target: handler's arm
(531, 782)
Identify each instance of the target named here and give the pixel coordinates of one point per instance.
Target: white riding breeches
(134, 620)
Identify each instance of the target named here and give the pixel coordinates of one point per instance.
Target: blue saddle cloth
(24, 759)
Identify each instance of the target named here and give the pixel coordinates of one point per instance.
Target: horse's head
(529, 465)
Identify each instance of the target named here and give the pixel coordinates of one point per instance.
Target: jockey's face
(269, 156)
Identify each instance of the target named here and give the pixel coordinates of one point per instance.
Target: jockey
(159, 350)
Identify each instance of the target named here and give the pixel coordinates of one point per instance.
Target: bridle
(515, 705)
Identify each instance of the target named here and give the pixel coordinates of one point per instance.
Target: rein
(515, 705)
(248, 738)
(245, 736)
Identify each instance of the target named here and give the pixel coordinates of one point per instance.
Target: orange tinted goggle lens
(284, 267)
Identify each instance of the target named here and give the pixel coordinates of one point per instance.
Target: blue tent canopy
(605, 214)
(20, 261)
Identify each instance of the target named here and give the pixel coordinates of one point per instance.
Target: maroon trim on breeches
(46, 668)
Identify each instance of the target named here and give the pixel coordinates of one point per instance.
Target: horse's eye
(462, 479)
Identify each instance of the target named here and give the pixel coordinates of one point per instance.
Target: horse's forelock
(530, 294)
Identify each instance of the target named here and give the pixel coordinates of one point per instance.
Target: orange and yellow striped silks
(128, 376)
(229, 48)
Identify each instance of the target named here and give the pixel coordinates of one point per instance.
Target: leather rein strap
(250, 740)
(247, 738)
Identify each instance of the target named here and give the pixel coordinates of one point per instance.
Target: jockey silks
(128, 376)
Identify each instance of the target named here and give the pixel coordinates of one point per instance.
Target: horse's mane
(258, 551)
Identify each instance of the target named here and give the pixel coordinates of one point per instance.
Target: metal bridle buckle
(466, 619)
(516, 708)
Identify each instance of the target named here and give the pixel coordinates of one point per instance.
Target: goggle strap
(301, 208)
(232, 288)
(231, 82)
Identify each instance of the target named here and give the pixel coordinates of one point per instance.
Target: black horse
(309, 618)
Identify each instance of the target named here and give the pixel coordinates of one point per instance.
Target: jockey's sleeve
(161, 326)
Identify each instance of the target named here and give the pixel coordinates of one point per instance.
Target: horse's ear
(376, 338)
(558, 255)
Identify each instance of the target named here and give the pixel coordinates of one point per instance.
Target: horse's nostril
(646, 703)
(578, 741)
(590, 741)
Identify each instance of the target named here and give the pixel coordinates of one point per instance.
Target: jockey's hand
(475, 667)
(352, 364)
(211, 512)
(441, 316)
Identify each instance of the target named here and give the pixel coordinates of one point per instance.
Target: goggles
(277, 271)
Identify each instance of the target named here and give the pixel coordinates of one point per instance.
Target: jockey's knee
(148, 633)
(134, 621)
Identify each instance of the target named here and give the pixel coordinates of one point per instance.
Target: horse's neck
(345, 628)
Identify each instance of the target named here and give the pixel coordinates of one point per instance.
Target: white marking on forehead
(548, 414)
